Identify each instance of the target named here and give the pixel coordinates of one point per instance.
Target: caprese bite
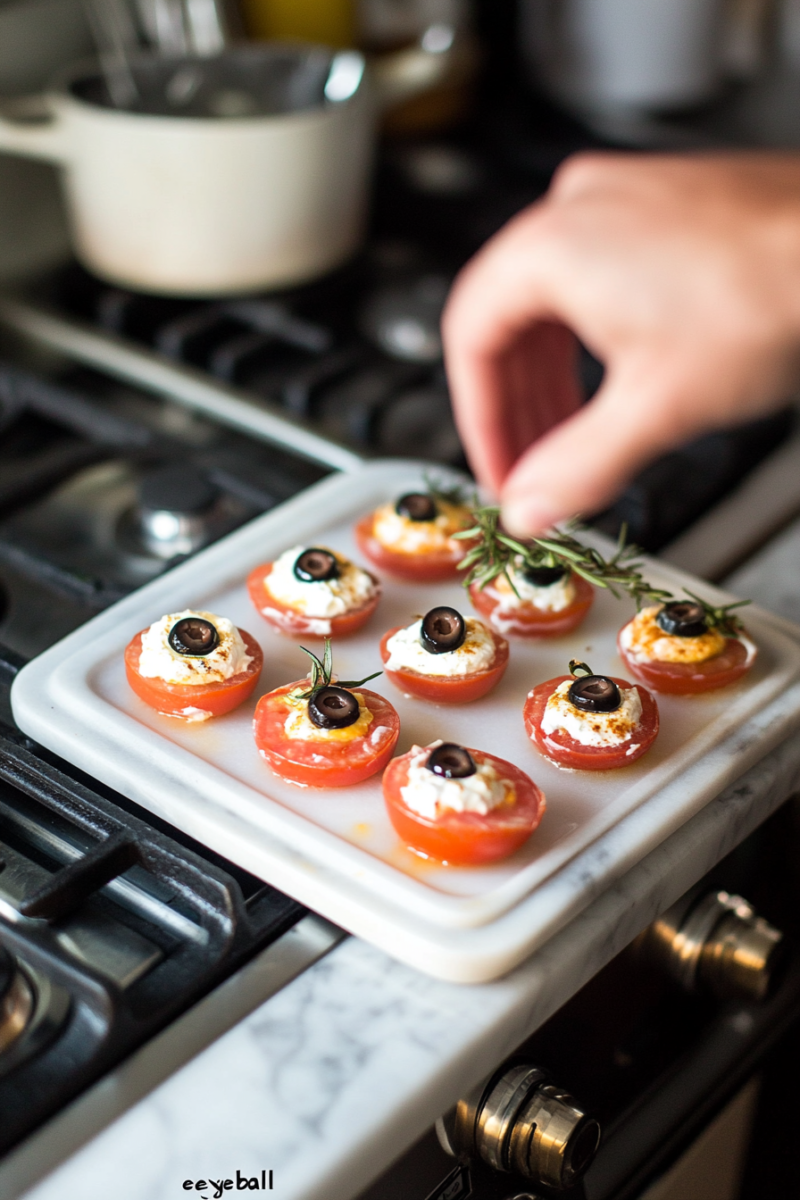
(318, 733)
(460, 806)
(310, 590)
(413, 537)
(444, 657)
(193, 665)
(591, 722)
(686, 646)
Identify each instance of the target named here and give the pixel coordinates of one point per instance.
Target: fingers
(510, 365)
(581, 465)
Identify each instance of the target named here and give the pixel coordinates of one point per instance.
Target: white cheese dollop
(159, 661)
(554, 598)
(401, 534)
(588, 728)
(323, 597)
(406, 651)
(430, 795)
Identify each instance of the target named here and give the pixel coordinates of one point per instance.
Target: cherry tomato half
(173, 699)
(465, 839)
(289, 620)
(448, 689)
(563, 749)
(324, 762)
(433, 566)
(688, 678)
(529, 621)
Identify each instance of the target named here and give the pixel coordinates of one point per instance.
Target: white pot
(208, 205)
(597, 55)
(36, 38)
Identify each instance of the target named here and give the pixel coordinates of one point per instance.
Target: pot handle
(33, 126)
(442, 55)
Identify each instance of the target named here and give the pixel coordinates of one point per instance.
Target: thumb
(582, 465)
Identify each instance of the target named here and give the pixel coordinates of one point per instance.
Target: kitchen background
(139, 422)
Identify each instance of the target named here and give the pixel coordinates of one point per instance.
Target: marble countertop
(334, 1076)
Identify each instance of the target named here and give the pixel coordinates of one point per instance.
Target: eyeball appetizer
(310, 590)
(193, 665)
(444, 657)
(535, 589)
(686, 646)
(463, 807)
(317, 733)
(414, 537)
(532, 601)
(590, 722)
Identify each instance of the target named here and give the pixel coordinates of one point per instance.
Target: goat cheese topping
(299, 725)
(404, 536)
(553, 598)
(159, 661)
(592, 728)
(476, 653)
(644, 640)
(432, 795)
(320, 597)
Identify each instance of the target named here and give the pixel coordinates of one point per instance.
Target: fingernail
(528, 516)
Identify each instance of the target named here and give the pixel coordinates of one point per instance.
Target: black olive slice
(417, 506)
(543, 576)
(682, 618)
(443, 629)
(451, 761)
(333, 708)
(316, 566)
(193, 636)
(595, 693)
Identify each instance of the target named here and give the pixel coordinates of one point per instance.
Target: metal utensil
(115, 36)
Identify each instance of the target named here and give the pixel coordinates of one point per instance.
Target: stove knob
(16, 1004)
(520, 1123)
(716, 943)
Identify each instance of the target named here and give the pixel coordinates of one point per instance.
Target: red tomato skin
(169, 699)
(346, 762)
(564, 750)
(465, 839)
(529, 621)
(685, 679)
(455, 689)
(296, 624)
(435, 567)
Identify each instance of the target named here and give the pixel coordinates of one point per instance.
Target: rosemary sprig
(721, 618)
(496, 553)
(322, 673)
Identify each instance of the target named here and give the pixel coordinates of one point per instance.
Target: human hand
(681, 274)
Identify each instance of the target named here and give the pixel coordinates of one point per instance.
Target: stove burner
(176, 510)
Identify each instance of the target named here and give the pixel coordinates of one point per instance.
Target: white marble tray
(335, 850)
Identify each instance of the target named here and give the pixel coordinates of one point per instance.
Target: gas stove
(135, 431)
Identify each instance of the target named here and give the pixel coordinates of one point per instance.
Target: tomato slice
(448, 689)
(289, 620)
(435, 566)
(465, 839)
(173, 699)
(529, 621)
(322, 762)
(563, 749)
(688, 678)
